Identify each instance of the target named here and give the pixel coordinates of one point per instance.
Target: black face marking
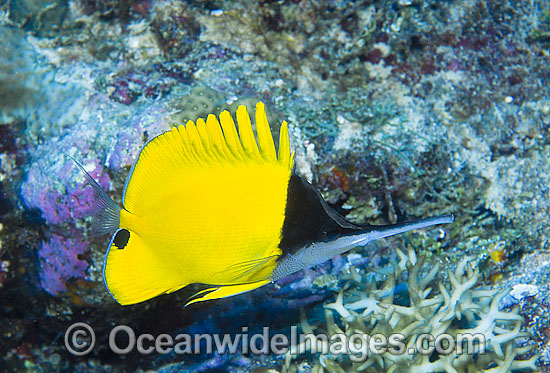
(121, 238)
(308, 218)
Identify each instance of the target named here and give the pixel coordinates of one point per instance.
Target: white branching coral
(478, 335)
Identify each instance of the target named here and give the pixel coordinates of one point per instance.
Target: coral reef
(61, 255)
(529, 281)
(175, 27)
(31, 90)
(67, 202)
(42, 17)
(60, 261)
(198, 103)
(397, 109)
(426, 305)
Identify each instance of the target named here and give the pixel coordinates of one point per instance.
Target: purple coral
(62, 205)
(60, 262)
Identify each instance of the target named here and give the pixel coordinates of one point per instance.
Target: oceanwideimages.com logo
(80, 340)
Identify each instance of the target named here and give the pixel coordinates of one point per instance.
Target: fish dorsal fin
(206, 144)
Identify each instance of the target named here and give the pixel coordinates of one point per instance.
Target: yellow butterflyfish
(214, 204)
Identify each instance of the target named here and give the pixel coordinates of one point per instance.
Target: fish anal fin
(224, 291)
(132, 274)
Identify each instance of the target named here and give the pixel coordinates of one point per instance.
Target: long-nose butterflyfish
(205, 203)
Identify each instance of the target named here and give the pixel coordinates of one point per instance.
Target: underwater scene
(275, 186)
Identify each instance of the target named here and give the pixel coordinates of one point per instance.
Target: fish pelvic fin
(106, 216)
(133, 274)
(252, 270)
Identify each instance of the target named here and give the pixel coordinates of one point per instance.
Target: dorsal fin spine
(230, 134)
(246, 134)
(200, 125)
(206, 141)
(216, 135)
(195, 142)
(265, 139)
(284, 145)
(186, 141)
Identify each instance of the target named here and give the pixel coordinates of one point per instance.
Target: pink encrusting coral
(60, 261)
(60, 255)
(63, 204)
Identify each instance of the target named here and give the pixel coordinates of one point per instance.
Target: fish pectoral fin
(251, 270)
(132, 274)
(224, 291)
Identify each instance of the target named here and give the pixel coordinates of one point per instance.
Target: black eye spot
(121, 238)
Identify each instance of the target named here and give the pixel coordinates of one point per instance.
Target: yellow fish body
(207, 204)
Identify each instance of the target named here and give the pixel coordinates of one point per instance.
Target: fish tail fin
(106, 214)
